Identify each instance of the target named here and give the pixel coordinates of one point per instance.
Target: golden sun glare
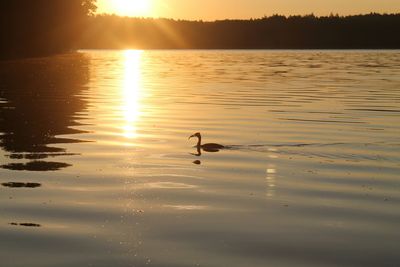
(131, 7)
(131, 92)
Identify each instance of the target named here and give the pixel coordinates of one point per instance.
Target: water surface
(97, 169)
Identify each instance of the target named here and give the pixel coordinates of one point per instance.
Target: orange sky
(221, 9)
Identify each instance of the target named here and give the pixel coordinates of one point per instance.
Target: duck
(209, 147)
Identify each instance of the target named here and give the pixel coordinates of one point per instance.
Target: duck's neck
(199, 141)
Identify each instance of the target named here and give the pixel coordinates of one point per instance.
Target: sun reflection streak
(271, 180)
(132, 86)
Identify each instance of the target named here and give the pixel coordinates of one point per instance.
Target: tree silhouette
(41, 27)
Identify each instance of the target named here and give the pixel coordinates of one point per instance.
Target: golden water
(97, 168)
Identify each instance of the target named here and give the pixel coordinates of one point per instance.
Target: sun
(131, 7)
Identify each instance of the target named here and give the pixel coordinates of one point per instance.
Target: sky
(242, 9)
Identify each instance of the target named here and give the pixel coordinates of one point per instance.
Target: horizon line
(250, 18)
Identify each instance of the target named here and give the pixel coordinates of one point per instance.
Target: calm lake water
(97, 169)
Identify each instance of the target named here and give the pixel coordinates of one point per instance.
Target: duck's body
(209, 147)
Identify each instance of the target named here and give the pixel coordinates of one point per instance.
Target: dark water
(97, 170)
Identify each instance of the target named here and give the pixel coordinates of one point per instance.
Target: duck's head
(198, 135)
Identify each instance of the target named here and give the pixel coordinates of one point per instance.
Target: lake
(97, 169)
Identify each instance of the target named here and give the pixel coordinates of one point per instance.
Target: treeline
(275, 32)
(42, 27)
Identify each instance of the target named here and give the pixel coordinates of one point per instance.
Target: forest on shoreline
(370, 31)
(42, 27)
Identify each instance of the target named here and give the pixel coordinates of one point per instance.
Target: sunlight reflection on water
(97, 168)
(132, 88)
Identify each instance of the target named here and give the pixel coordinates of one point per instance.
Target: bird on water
(209, 147)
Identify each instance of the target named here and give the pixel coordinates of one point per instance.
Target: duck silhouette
(209, 147)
